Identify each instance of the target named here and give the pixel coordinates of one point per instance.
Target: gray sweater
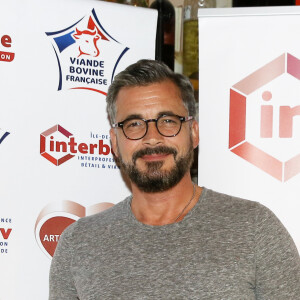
(224, 249)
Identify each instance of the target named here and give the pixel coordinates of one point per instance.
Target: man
(171, 239)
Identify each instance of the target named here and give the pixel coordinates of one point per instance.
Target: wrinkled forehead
(149, 100)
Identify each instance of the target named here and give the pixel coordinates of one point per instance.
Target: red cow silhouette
(87, 40)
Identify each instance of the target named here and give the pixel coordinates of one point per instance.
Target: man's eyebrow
(139, 116)
(168, 113)
(134, 116)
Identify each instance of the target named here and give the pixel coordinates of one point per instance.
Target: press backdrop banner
(57, 60)
(249, 107)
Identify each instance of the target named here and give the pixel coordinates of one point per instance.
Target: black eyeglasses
(137, 128)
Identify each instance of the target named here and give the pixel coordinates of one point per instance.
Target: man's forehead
(157, 97)
(151, 90)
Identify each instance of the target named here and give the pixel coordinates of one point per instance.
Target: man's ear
(195, 133)
(113, 140)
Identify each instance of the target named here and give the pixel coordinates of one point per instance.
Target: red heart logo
(56, 217)
(51, 231)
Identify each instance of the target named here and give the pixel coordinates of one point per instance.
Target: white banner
(249, 107)
(57, 60)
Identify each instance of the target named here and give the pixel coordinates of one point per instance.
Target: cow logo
(87, 55)
(58, 146)
(87, 41)
(264, 127)
(6, 42)
(56, 217)
(3, 135)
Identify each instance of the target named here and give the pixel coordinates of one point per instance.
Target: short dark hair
(143, 73)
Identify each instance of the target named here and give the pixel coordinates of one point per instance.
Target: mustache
(156, 150)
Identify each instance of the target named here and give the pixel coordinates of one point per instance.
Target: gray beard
(154, 179)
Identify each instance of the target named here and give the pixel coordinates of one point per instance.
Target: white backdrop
(249, 97)
(55, 159)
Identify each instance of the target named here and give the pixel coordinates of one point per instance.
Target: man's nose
(153, 137)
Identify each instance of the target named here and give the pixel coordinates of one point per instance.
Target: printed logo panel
(5, 52)
(264, 123)
(5, 234)
(56, 217)
(87, 55)
(58, 146)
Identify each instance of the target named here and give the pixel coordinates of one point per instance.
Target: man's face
(154, 163)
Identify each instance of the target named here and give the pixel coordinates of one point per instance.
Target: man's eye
(169, 121)
(134, 124)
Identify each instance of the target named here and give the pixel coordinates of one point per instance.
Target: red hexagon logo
(43, 138)
(286, 67)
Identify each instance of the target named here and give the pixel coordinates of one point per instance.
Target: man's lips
(154, 157)
(154, 154)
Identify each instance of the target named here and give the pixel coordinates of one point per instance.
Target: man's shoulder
(102, 220)
(241, 216)
(222, 199)
(231, 206)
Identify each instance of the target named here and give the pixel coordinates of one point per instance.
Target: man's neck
(165, 207)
